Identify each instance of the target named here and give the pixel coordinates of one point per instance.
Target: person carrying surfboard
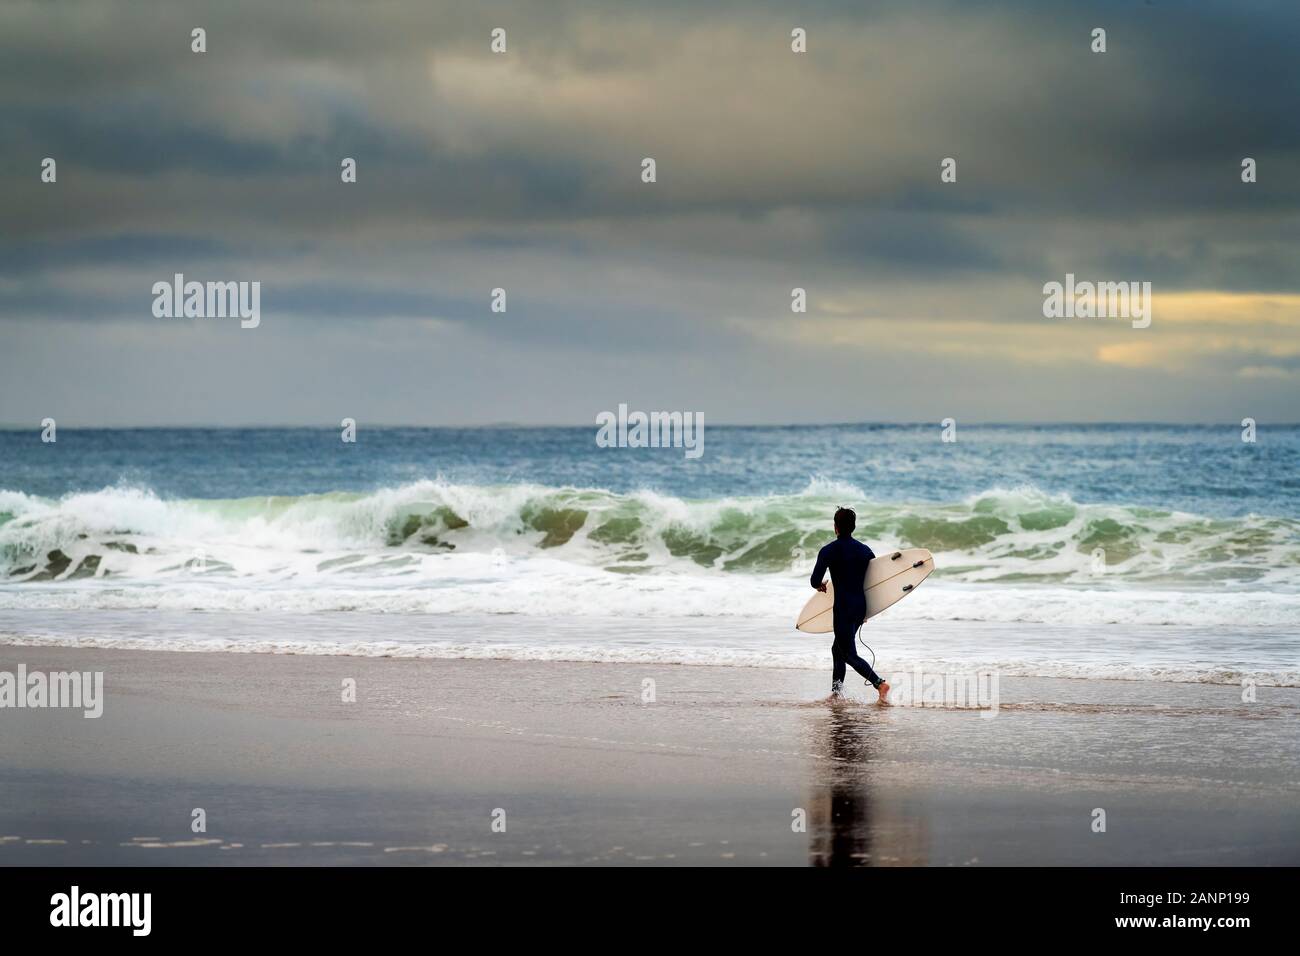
(847, 560)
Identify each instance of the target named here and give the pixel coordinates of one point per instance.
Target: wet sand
(724, 766)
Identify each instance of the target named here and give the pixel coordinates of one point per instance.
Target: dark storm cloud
(918, 244)
(19, 257)
(126, 143)
(1157, 124)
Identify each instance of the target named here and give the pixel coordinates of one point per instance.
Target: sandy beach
(720, 768)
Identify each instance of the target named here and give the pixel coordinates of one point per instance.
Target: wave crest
(1000, 535)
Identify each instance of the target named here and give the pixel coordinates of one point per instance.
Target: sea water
(1138, 551)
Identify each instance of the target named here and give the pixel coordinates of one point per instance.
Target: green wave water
(1006, 535)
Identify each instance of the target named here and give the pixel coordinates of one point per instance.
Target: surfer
(847, 560)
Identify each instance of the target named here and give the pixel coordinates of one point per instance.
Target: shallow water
(1130, 652)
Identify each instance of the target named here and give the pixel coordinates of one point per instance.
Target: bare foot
(884, 691)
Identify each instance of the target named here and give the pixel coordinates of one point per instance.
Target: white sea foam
(547, 588)
(1005, 555)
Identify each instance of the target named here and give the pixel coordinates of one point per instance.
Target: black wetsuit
(847, 560)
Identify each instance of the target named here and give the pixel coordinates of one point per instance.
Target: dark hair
(846, 519)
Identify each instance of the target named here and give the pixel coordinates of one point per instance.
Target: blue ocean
(1075, 550)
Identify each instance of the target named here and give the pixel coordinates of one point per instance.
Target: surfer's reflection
(839, 817)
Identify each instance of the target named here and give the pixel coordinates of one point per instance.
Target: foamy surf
(542, 589)
(435, 531)
(1134, 653)
(1028, 583)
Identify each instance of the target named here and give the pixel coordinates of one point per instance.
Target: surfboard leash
(866, 645)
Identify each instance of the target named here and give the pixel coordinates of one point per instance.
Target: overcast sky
(523, 171)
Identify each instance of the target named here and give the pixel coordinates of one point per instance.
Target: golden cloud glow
(1226, 307)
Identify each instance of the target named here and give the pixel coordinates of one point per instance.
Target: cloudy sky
(523, 171)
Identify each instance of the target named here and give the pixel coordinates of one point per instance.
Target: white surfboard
(891, 577)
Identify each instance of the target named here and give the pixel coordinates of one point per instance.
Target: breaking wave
(521, 548)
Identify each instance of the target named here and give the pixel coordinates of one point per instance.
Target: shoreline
(716, 770)
(422, 653)
(1267, 655)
